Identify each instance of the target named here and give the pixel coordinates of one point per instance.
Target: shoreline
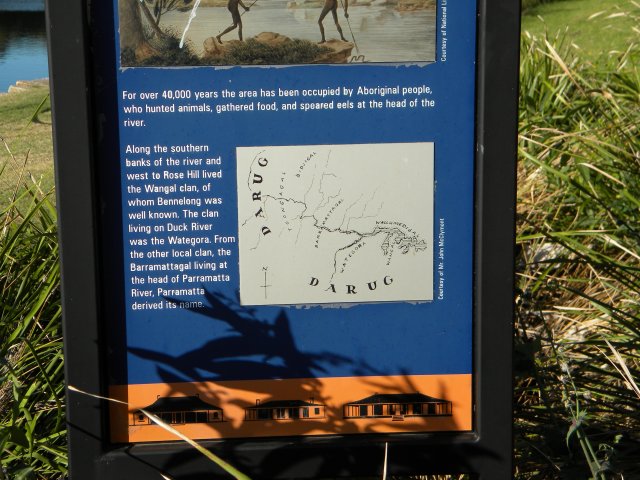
(23, 85)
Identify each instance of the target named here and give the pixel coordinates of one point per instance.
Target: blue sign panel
(297, 204)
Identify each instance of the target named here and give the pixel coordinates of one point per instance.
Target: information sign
(289, 233)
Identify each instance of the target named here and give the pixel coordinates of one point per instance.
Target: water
(382, 33)
(23, 47)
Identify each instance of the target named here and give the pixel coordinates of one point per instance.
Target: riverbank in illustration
(375, 31)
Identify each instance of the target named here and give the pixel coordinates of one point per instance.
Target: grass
(597, 28)
(579, 263)
(29, 141)
(32, 423)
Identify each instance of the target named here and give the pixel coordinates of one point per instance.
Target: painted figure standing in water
(332, 6)
(232, 6)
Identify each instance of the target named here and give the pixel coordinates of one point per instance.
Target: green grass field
(28, 139)
(595, 28)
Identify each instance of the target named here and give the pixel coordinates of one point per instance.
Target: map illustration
(335, 223)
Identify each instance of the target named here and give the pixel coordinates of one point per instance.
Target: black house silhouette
(285, 410)
(178, 411)
(397, 406)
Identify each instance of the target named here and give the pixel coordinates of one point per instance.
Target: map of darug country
(335, 223)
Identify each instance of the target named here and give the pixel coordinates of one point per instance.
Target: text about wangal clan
(138, 105)
(174, 242)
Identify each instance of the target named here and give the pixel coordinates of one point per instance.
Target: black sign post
(304, 265)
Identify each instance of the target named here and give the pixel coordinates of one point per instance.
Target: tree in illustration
(133, 41)
(141, 37)
(157, 8)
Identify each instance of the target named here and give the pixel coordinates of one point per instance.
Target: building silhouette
(397, 406)
(179, 411)
(285, 410)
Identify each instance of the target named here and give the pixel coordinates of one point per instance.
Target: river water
(23, 47)
(381, 33)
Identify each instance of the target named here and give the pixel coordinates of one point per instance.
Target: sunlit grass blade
(231, 470)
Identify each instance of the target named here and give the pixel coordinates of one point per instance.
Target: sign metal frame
(484, 453)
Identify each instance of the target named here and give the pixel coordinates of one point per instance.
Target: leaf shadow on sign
(254, 348)
(229, 356)
(259, 348)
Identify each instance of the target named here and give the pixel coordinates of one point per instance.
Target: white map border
(334, 224)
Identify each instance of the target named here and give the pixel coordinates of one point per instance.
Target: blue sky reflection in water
(23, 47)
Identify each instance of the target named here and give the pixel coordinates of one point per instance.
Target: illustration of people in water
(332, 6)
(407, 26)
(236, 17)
